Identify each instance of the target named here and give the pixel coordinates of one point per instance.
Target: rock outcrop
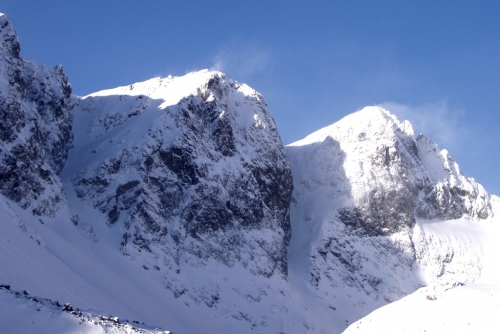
(448, 194)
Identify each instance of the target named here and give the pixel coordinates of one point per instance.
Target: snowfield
(472, 308)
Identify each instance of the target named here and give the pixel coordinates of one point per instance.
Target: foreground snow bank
(472, 308)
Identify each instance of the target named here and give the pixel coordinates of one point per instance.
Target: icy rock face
(361, 188)
(35, 127)
(191, 168)
(449, 194)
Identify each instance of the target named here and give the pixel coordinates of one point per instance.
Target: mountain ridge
(177, 202)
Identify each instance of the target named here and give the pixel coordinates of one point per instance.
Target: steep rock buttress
(189, 168)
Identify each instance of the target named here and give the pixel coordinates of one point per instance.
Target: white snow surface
(472, 308)
(170, 89)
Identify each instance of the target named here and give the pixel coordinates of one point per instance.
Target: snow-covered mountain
(171, 202)
(367, 215)
(175, 206)
(190, 169)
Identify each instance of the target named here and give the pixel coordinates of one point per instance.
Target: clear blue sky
(436, 63)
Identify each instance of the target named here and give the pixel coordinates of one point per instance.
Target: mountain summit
(389, 177)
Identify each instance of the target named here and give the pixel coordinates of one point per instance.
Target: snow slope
(472, 308)
(457, 307)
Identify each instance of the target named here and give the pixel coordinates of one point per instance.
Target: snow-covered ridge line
(23, 312)
(369, 119)
(172, 89)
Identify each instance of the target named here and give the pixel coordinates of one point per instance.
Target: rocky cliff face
(190, 168)
(35, 127)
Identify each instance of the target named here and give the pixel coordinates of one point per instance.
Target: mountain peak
(366, 124)
(172, 89)
(159, 87)
(378, 119)
(196, 157)
(376, 156)
(8, 38)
